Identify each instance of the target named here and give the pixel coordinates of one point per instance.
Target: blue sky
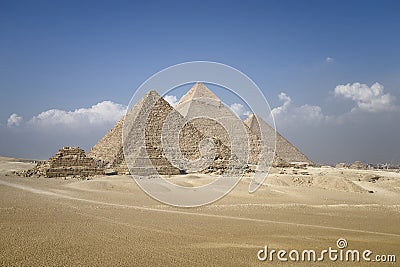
(69, 55)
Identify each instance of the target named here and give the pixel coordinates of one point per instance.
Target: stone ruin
(67, 162)
(107, 156)
(357, 165)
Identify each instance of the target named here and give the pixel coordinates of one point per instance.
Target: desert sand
(110, 221)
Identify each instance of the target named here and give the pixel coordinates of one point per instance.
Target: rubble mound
(358, 165)
(68, 161)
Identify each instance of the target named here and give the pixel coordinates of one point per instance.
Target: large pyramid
(200, 101)
(199, 90)
(110, 148)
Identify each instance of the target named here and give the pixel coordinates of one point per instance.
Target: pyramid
(199, 90)
(206, 99)
(109, 149)
(285, 152)
(151, 113)
(151, 142)
(155, 117)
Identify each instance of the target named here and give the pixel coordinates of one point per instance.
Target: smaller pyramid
(285, 152)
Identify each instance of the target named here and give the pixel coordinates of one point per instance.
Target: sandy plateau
(110, 221)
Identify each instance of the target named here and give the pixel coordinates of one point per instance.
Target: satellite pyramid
(67, 162)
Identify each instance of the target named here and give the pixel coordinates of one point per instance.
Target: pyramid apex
(250, 120)
(199, 90)
(152, 93)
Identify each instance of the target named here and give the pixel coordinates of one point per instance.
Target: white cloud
(287, 101)
(329, 59)
(290, 113)
(239, 110)
(171, 99)
(370, 99)
(14, 120)
(101, 113)
(311, 113)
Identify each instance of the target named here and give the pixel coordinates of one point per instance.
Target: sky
(330, 70)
